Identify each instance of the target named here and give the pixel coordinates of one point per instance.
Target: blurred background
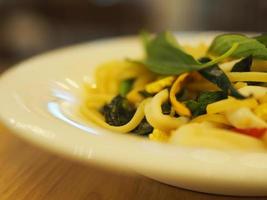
(28, 27)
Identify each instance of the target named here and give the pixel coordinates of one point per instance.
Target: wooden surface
(27, 172)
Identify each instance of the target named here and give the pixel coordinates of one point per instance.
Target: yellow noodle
(247, 76)
(253, 91)
(201, 85)
(155, 116)
(239, 85)
(229, 104)
(179, 107)
(261, 111)
(227, 66)
(159, 135)
(142, 80)
(244, 118)
(217, 118)
(196, 51)
(99, 97)
(134, 95)
(160, 84)
(263, 99)
(259, 65)
(97, 100)
(94, 104)
(113, 81)
(100, 76)
(90, 88)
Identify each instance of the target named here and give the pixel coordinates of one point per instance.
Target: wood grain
(30, 173)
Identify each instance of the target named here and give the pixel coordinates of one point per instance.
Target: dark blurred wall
(234, 15)
(28, 27)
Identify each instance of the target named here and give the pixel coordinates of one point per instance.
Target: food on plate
(207, 95)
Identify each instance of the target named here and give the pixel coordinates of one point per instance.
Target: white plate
(37, 102)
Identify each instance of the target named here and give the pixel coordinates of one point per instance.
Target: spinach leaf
(206, 98)
(182, 95)
(165, 56)
(126, 86)
(193, 106)
(215, 75)
(243, 66)
(144, 128)
(118, 112)
(166, 108)
(247, 46)
(199, 106)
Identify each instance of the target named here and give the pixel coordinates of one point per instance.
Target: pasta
(155, 116)
(219, 103)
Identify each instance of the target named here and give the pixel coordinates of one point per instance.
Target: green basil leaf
(145, 37)
(247, 46)
(215, 75)
(165, 56)
(262, 39)
(243, 66)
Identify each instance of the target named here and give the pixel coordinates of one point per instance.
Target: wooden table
(30, 173)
